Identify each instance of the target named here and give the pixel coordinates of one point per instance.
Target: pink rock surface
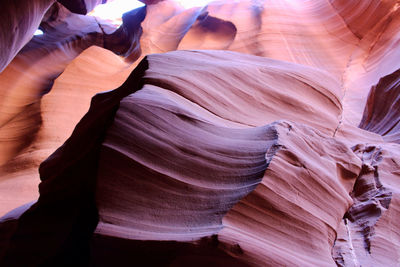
(280, 150)
(369, 226)
(291, 218)
(26, 114)
(172, 111)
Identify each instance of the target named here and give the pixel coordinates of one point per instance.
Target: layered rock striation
(269, 138)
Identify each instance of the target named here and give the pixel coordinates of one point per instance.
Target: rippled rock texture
(243, 133)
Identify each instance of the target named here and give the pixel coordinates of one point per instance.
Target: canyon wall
(241, 133)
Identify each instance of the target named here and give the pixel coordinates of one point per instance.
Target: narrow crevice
(101, 29)
(350, 238)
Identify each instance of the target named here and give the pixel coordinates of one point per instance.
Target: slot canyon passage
(235, 133)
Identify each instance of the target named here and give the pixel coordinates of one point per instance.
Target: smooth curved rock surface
(17, 183)
(376, 56)
(382, 111)
(185, 181)
(18, 23)
(361, 16)
(32, 73)
(66, 201)
(170, 169)
(25, 86)
(197, 175)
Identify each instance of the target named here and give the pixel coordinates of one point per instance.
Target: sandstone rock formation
(382, 112)
(242, 133)
(19, 21)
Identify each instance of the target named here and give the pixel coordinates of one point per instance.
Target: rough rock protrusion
(363, 235)
(370, 197)
(291, 218)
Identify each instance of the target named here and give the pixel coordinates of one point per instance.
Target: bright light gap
(38, 32)
(113, 10)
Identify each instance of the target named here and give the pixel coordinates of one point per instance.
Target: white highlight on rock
(193, 3)
(113, 10)
(38, 32)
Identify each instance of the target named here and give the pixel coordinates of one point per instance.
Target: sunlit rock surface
(271, 139)
(26, 84)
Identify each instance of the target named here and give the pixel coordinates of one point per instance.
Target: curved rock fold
(241, 133)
